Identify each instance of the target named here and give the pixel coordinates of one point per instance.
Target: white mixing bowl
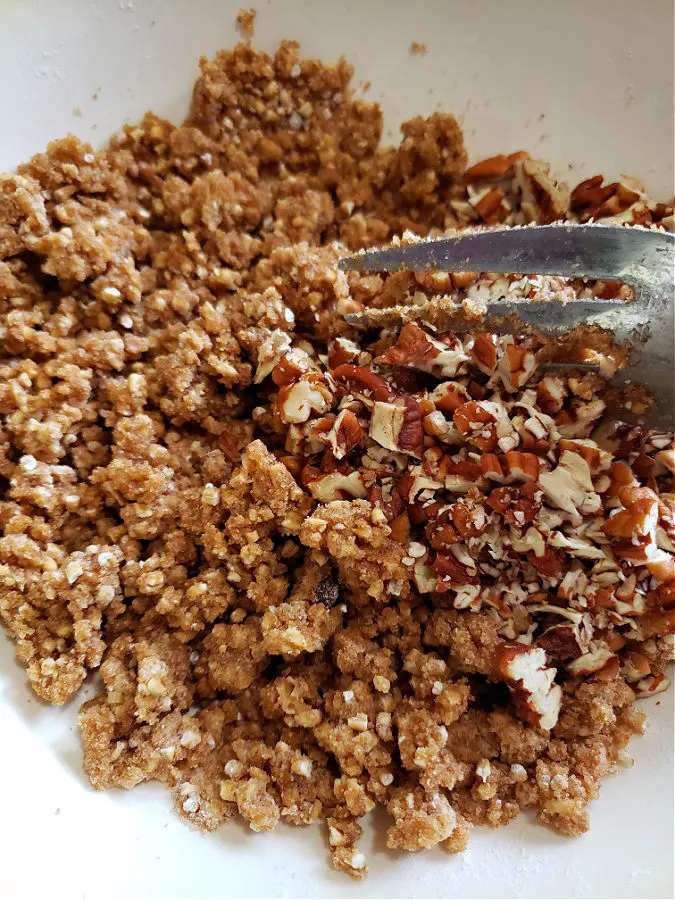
(586, 84)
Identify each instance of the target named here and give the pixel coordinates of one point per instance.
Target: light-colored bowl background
(586, 84)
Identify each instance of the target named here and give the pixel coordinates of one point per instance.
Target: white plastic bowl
(586, 84)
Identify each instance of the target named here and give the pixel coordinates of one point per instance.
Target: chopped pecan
(416, 349)
(576, 545)
(516, 504)
(469, 518)
(291, 367)
(578, 419)
(273, 348)
(588, 196)
(637, 518)
(516, 365)
(549, 563)
(665, 457)
(477, 422)
(441, 531)
(449, 395)
(590, 662)
(392, 506)
(491, 467)
(551, 394)
(592, 199)
(661, 565)
(297, 401)
(460, 477)
(400, 528)
(519, 466)
(491, 206)
(494, 168)
(484, 353)
(532, 683)
(424, 575)
(343, 351)
(569, 486)
(411, 436)
(436, 425)
(365, 382)
(598, 460)
(543, 200)
(658, 623)
(330, 486)
(398, 426)
(452, 572)
(561, 642)
(345, 434)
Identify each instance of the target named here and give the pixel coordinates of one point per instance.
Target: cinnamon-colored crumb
(316, 570)
(246, 22)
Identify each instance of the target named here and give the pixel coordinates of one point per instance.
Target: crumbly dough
(316, 570)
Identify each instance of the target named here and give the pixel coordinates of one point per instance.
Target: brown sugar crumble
(246, 22)
(316, 569)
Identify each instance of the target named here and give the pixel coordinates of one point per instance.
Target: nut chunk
(420, 820)
(569, 487)
(524, 668)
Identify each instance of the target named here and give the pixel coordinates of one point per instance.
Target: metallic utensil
(640, 257)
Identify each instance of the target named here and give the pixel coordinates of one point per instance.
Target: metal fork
(639, 257)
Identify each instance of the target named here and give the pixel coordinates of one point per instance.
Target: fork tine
(546, 317)
(589, 251)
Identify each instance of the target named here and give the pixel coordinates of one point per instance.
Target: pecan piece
(291, 367)
(561, 642)
(365, 382)
(477, 422)
(452, 572)
(591, 662)
(495, 167)
(342, 351)
(519, 466)
(398, 426)
(460, 477)
(638, 518)
(551, 394)
(517, 505)
(415, 349)
(491, 206)
(469, 518)
(543, 200)
(449, 395)
(271, 351)
(531, 681)
(548, 563)
(569, 487)
(345, 434)
(441, 532)
(484, 353)
(330, 486)
(297, 401)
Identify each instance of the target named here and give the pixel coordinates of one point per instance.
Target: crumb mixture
(317, 569)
